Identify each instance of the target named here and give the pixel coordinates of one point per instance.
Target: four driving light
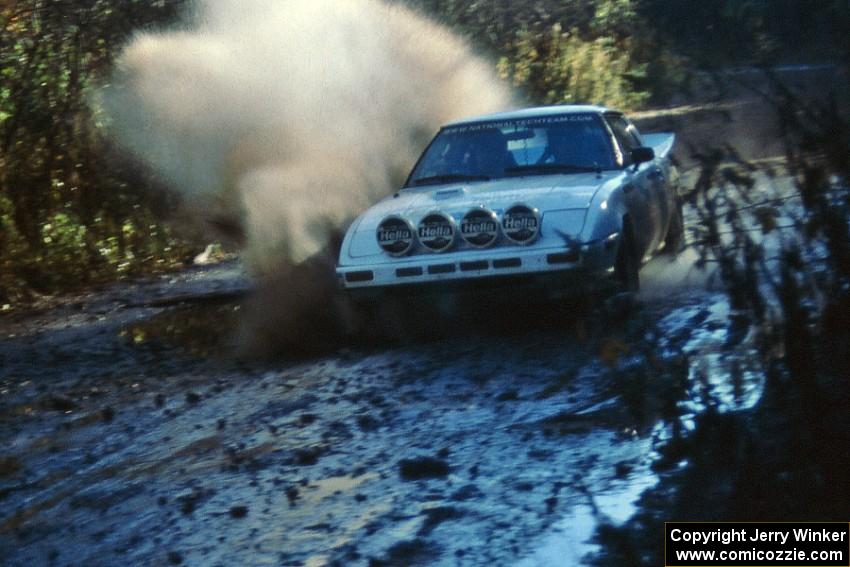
(479, 227)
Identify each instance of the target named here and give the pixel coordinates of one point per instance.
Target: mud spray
(278, 120)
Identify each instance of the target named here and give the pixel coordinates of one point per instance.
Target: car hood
(562, 201)
(545, 192)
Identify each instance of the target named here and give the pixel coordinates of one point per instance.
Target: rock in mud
(188, 502)
(367, 423)
(58, 403)
(9, 466)
(292, 495)
(238, 511)
(405, 553)
(423, 467)
(623, 469)
(307, 457)
(307, 419)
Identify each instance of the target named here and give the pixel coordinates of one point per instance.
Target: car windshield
(548, 145)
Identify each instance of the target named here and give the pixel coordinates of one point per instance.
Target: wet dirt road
(132, 437)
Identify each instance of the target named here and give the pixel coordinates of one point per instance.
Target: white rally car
(538, 193)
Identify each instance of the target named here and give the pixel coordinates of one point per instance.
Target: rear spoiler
(661, 142)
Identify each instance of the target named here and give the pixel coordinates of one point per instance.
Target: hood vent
(448, 193)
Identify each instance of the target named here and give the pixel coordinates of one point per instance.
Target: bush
(600, 51)
(562, 68)
(71, 212)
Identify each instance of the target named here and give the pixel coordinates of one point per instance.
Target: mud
(134, 434)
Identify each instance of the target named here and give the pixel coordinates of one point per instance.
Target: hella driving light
(437, 231)
(521, 223)
(395, 236)
(480, 227)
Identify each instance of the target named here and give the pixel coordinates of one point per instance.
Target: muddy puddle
(198, 330)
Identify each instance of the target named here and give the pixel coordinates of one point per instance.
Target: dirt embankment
(738, 109)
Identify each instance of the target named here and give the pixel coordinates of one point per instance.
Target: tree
(70, 210)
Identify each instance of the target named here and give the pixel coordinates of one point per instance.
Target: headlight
(436, 231)
(395, 236)
(480, 227)
(521, 223)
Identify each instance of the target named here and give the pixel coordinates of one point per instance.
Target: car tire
(627, 264)
(674, 242)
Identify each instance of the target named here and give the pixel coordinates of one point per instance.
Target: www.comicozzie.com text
(781, 536)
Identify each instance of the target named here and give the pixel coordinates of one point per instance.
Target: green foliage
(617, 18)
(561, 68)
(600, 51)
(70, 212)
(12, 251)
(64, 238)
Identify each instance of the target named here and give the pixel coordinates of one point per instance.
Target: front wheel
(627, 264)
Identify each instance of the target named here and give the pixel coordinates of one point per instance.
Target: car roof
(533, 112)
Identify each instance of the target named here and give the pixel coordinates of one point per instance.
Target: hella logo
(395, 236)
(436, 231)
(521, 223)
(480, 227)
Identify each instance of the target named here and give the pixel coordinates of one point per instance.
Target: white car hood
(545, 192)
(562, 201)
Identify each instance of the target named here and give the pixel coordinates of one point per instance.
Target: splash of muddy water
(277, 121)
(283, 118)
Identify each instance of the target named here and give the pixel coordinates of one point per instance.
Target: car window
(626, 134)
(525, 146)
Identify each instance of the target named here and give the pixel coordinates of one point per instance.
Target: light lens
(395, 236)
(521, 223)
(436, 231)
(480, 227)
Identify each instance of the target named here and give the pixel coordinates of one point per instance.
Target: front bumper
(433, 269)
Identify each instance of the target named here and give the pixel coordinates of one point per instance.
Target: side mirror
(642, 154)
